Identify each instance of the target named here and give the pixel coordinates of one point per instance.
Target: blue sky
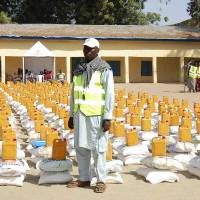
(175, 10)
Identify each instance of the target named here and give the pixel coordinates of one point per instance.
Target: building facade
(135, 53)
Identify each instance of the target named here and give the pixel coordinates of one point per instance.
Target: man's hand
(106, 125)
(71, 123)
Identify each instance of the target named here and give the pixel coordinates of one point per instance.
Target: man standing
(198, 76)
(91, 107)
(186, 69)
(192, 77)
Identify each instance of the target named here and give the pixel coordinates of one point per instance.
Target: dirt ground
(134, 187)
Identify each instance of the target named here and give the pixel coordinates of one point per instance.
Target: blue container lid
(38, 143)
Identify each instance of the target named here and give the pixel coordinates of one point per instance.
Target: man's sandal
(100, 187)
(78, 183)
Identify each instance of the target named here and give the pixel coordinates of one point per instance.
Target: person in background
(48, 75)
(20, 74)
(31, 76)
(186, 68)
(198, 76)
(26, 75)
(40, 77)
(91, 108)
(60, 76)
(192, 77)
(17, 77)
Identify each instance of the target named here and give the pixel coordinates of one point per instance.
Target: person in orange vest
(192, 77)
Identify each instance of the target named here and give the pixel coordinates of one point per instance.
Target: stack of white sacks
(54, 171)
(13, 172)
(132, 154)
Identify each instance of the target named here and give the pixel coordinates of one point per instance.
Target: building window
(115, 65)
(146, 68)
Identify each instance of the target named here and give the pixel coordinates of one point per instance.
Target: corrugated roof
(100, 31)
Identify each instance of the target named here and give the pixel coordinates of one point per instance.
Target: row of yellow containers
(143, 98)
(118, 128)
(38, 116)
(162, 107)
(9, 149)
(158, 145)
(171, 120)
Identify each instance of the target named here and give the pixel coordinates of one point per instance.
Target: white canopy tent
(38, 58)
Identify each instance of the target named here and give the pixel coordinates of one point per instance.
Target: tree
(113, 12)
(78, 11)
(39, 11)
(4, 19)
(166, 19)
(11, 7)
(194, 9)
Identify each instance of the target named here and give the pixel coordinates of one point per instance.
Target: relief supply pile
(13, 167)
(57, 169)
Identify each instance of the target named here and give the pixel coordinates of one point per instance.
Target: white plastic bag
(117, 142)
(44, 152)
(186, 147)
(163, 163)
(54, 177)
(173, 129)
(114, 166)
(133, 150)
(112, 178)
(157, 176)
(184, 158)
(143, 135)
(132, 159)
(195, 162)
(16, 181)
(55, 165)
(194, 171)
(13, 167)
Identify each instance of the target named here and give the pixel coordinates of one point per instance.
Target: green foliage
(194, 9)
(4, 19)
(113, 12)
(78, 11)
(39, 11)
(166, 19)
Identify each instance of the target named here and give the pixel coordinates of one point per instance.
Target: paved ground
(134, 187)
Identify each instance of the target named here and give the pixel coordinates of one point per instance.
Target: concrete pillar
(181, 72)
(126, 74)
(68, 69)
(3, 69)
(154, 69)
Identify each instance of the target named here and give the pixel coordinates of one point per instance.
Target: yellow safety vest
(193, 72)
(90, 99)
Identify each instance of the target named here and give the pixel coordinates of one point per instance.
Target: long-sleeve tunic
(88, 130)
